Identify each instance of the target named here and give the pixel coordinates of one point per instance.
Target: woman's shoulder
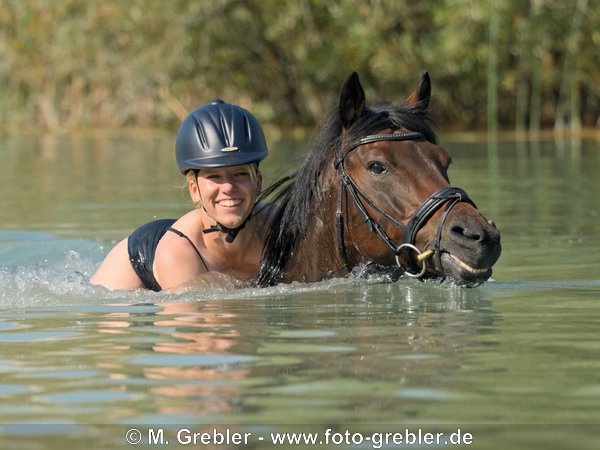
(177, 243)
(176, 261)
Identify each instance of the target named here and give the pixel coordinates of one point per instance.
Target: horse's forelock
(414, 117)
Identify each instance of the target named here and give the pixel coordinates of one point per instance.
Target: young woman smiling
(218, 148)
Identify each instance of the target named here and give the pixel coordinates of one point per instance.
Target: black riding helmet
(219, 134)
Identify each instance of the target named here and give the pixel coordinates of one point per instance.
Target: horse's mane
(296, 194)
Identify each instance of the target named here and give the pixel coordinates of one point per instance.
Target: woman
(218, 148)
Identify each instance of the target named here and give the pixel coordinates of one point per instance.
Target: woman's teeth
(230, 202)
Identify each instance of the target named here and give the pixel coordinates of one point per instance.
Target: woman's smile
(229, 202)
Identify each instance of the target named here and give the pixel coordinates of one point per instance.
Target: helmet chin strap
(231, 233)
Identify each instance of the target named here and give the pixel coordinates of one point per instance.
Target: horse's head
(393, 182)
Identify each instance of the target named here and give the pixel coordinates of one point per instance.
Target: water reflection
(188, 352)
(252, 359)
(371, 348)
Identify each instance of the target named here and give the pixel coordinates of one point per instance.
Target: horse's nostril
(458, 230)
(466, 234)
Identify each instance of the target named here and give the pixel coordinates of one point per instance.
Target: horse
(374, 191)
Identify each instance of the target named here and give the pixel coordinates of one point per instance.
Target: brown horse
(375, 191)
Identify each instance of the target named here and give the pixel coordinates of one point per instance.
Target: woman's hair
(252, 168)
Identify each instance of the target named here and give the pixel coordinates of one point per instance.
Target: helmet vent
(226, 129)
(247, 128)
(201, 134)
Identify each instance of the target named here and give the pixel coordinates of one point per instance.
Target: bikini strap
(179, 233)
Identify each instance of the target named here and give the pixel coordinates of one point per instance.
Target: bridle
(448, 196)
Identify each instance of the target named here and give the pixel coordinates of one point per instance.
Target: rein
(448, 196)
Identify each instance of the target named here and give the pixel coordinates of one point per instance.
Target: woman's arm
(116, 272)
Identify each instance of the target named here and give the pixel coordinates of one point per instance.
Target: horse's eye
(376, 167)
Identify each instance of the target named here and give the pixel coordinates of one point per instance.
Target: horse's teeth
(467, 267)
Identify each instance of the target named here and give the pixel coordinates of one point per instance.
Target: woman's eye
(376, 167)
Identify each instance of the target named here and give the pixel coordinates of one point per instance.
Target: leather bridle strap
(449, 195)
(430, 206)
(345, 181)
(408, 136)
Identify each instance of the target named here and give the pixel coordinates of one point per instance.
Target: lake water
(512, 364)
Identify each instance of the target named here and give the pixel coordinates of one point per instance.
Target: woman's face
(227, 193)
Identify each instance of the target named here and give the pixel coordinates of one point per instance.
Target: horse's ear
(422, 93)
(352, 100)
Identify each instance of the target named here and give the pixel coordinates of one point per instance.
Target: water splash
(38, 269)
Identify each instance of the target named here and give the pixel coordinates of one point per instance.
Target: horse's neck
(316, 256)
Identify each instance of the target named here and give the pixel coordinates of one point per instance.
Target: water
(514, 363)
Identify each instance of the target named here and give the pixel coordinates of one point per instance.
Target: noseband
(448, 196)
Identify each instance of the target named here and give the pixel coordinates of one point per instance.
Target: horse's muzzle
(469, 247)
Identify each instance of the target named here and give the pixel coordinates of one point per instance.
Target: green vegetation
(526, 65)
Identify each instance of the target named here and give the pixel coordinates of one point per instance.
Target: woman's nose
(228, 183)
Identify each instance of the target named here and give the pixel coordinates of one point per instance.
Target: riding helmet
(219, 134)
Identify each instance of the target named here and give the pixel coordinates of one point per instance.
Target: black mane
(296, 194)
